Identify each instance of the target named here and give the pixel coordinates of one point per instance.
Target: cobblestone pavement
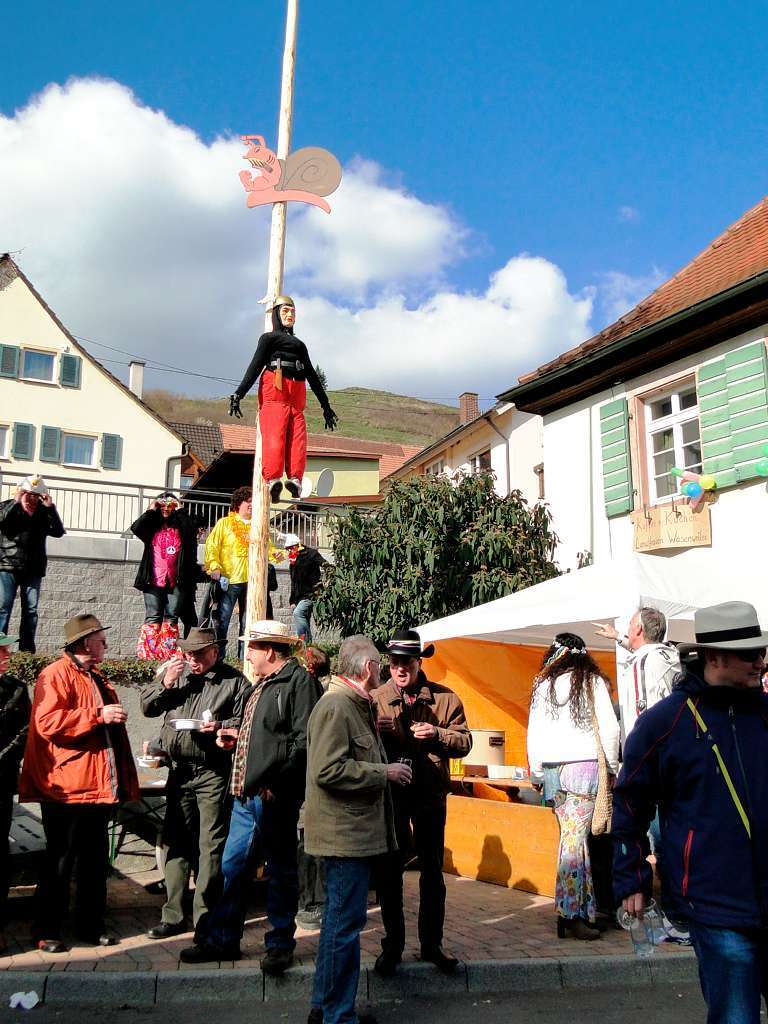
(483, 922)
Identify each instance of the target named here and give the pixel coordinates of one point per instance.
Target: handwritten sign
(666, 527)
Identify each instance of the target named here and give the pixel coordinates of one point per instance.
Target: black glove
(234, 406)
(330, 417)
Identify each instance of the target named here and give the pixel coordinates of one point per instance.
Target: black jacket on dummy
(281, 342)
(277, 751)
(22, 537)
(145, 528)
(15, 709)
(222, 690)
(306, 573)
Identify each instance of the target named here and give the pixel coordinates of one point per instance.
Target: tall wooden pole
(258, 549)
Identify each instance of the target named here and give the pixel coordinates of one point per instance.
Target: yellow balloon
(708, 483)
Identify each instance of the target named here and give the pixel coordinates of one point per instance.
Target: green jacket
(348, 809)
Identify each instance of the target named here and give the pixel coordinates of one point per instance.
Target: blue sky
(612, 140)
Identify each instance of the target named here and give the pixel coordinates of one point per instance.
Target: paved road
(657, 1004)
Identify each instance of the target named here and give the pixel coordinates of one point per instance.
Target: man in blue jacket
(701, 756)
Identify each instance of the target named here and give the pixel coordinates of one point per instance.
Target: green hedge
(126, 671)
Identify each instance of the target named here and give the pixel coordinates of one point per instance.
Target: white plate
(149, 762)
(185, 724)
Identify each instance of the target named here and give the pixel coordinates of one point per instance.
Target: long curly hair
(568, 653)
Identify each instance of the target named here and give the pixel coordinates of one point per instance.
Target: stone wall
(95, 575)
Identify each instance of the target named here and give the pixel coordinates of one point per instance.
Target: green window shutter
(111, 451)
(9, 360)
(617, 467)
(733, 413)
(70, 370)
(23, 445)
(50, 444)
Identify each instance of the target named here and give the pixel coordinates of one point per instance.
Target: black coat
(306, 572)
(145, 528)
(15, 709)
(277, 752)
(22, 537)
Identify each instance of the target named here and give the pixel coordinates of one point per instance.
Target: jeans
(235, 594)
(258, 830)
(337, 967)
(161, 604)
(733, 971)
(29, 588)
(302, 615)
(428, 824)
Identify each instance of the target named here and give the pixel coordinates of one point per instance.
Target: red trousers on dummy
(283, 427)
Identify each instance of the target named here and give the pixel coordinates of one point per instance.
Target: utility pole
(258, 549)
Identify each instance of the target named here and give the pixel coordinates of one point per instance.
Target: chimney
(136, 377)
(469, 407)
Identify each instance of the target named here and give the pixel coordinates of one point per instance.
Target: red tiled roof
(391, 463)
(739, 253)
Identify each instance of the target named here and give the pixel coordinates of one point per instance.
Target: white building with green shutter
(62, 414)
(680, 381)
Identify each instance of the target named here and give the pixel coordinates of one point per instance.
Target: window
(37, 365)
(673, 438)
(435, 468)
(480, 463)
(78, 450)
(186, 482)
(4, 436)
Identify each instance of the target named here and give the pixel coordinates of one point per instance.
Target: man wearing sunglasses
(701, 756)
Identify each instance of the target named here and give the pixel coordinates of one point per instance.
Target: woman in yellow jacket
(226, 561)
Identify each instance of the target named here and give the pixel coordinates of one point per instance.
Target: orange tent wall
(494, 682)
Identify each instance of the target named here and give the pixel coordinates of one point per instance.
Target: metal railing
(108, 509)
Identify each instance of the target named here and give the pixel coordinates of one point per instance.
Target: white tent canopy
(675, 585)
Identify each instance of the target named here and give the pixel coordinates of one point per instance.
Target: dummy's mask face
(287, 316)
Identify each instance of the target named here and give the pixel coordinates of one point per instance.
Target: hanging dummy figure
(286, 367)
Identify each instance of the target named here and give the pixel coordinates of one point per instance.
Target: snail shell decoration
(305, 176)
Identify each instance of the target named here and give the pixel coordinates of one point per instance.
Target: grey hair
(653, 623)
(355, 652)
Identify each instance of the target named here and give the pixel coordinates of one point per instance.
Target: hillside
(373, 415)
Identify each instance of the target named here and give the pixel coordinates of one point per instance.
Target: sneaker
(293, 486)
(312, 917)
(275, 490)
(277, 962)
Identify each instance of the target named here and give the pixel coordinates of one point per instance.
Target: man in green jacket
(348, 820)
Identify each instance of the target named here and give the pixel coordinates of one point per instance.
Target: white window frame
(5, 449)
(474, 462)
(674, 421)
(94, 464)
(38, 352)
(436, 468)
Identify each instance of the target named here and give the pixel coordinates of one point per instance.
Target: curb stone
(141, 988)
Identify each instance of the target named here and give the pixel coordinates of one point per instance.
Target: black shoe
(366, 1018)
(98, 939)
(293, 486)
(208, 953)
(443, 962)
(50, 946)
(164, 930)
(386, 964)
(315, 1015)
(275, 490)
(277, 962)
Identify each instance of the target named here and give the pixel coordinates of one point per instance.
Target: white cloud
(628, 213)
(137, 233)
(617, 292)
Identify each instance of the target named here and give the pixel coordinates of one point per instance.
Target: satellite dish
(324, 484)
(306, 487)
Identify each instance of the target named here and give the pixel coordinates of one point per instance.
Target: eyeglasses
(751, 655)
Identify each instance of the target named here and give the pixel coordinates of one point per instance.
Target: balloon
(693, 490)
(761, 467)
(678, 472)
(708, 483)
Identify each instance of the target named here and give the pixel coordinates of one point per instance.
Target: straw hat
(270, 631)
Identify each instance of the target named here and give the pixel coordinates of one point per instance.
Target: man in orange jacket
(78, 765)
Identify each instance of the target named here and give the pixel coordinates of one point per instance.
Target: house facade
(505, 440)
(62, 414)
(678, 385)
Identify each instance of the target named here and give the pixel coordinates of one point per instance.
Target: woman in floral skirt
(562, 754)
